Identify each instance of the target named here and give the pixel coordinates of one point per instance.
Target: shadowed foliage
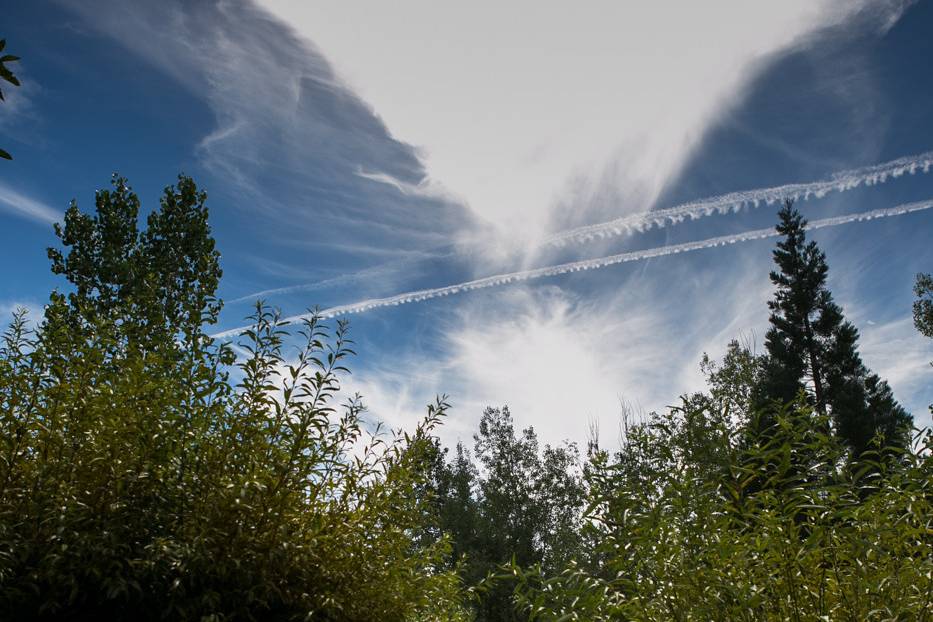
(7, 76)
(148, 472)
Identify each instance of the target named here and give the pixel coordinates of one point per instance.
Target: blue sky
(368, 149)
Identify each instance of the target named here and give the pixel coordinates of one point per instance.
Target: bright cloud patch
(523, 107)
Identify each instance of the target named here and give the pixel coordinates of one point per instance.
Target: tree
(732, 381)
(8, 76)
(530, 497)
(511, 512)
(454, 511)
(923, 306)
(137, 481)
(521, 503)
(812, 348)
(681, 545)
(155, 288)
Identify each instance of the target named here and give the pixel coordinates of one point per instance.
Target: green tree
(530, 496)
(923, 306)
(812, 348)
(682, 545)
(511, 512)
(157, 287)
(732, 381)
(520, 503)
(454, 490)
(138, 481)
(7, 75)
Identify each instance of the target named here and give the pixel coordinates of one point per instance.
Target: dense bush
(783, 529)
(148, 472)
(139, 481)
(519, 503)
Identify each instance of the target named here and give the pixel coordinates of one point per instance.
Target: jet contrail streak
(839, 182)
(589, 264)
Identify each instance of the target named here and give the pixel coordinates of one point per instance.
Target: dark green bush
(146, 473)
(785, 531)
(139, 481)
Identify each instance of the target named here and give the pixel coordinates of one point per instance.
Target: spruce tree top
(803, 313)
(812, 348)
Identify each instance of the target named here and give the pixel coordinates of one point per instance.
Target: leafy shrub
(138, 480)
(783, 532)
(148, 472)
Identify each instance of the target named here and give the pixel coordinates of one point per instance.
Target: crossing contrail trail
(590, 264)
(839, 182)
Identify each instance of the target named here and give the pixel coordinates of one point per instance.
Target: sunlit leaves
(787, 531)
(146, 473)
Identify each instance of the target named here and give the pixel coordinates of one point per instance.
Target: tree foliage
(923, 306)
(7, 76)
(679, 542)
(520, 504)
(812, 348)
(148, 472)
(139, 480)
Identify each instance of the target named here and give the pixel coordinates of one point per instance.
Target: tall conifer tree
(811, 346)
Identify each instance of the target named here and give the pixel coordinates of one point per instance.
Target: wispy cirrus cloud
(365, 279)
(840, 181)
(563, 360)
(547, 117)
(27, 207)
(291, 138)
(18, 114)
(538, 118)
(602, 262)
(896, 351)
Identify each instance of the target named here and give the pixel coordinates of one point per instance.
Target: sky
(358, 151)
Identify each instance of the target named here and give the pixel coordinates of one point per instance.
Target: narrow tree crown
(812, 348)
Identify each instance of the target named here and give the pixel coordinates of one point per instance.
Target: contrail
(839, 182)
(590, 264)
(343, 279)
(303, 287)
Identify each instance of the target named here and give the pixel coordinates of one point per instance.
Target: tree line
(148, 471)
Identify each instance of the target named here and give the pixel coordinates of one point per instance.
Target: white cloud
(596, 263)
(35, 312)
(538, 115)
(22, 205)
(561, 360)
(559, 363)
(523, 106)
(18, 114)
(398, 394)
(554, 370)
(544, 116)
(901, 355)
(291, 138)
(426, 187)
